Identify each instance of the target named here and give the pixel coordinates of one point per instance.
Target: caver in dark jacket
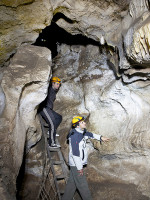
(51, 117)
(50, 97)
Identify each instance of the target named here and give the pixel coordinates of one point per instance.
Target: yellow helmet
(55, 80)
(77, 119)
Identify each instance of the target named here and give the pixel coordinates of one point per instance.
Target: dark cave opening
(53, 35)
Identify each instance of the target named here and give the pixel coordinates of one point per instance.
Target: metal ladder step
(55, 162)
(52, 154)
(53, 149)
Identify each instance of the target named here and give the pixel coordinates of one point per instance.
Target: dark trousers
(53, 120)
(79, 182)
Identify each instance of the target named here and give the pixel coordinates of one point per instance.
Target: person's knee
(60, 118)
(42, 113)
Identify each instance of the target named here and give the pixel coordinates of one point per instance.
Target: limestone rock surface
(120, 24)
(118, 111)
(24, 84)
(21, 22)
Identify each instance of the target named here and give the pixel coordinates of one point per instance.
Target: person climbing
(51, 117)
(78, 158)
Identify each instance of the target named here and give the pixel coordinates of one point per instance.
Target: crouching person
(78, 158)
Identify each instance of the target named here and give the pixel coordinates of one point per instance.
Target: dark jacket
(50, 97)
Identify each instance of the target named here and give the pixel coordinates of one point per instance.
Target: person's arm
(104, 139)
(97, 137)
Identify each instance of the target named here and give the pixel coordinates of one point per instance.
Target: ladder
(53, 185)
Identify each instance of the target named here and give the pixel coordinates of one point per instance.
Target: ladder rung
(58, 179)
(61, 176)
(54, 149)
(58, 162)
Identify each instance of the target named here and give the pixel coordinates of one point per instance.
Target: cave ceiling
(123, 25)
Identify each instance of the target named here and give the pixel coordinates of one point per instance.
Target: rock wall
(118, 111)
(24, 85)
(21, 22)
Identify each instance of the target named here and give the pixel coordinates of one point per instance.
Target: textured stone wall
(118, 111)
(21, 22)
(24, 85)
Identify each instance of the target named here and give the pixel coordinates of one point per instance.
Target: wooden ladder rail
(53, 162)
(43, 194)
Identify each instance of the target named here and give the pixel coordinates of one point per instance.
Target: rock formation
(108, 82)
(113, 109)
(25, 85)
